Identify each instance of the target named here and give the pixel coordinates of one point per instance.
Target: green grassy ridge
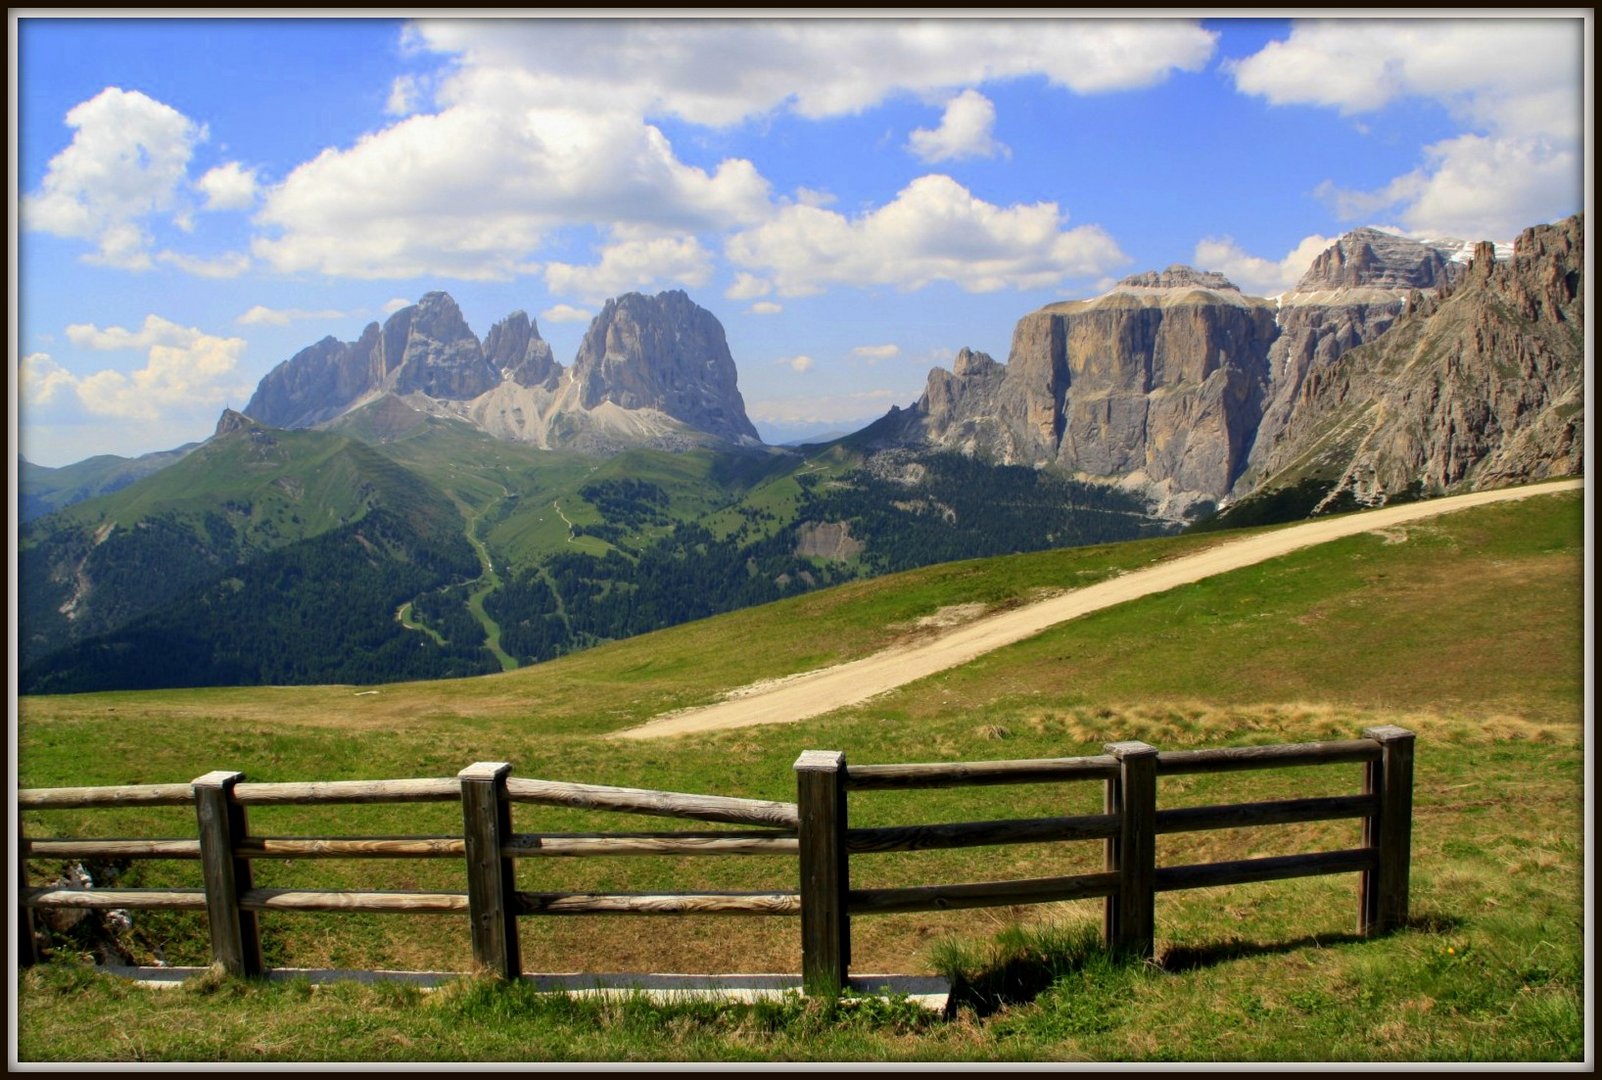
(1491, 969)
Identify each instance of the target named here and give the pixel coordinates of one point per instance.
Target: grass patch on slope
(1466, 628)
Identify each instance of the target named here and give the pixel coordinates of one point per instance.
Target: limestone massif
(1480, 384)
(652, 371)
(1179, 385)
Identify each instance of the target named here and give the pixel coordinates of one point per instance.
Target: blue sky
(856, 200)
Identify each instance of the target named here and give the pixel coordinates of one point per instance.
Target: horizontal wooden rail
(981, 894)
(1208, 875)
(417, 903)
(742, 903)
(1283, 812)
(73, 798)
(447, 789)
(979, 833)
(349, 847)
(111, 849)
(526, 845)
(109, 899)
(976, 773)
(659, 803)
(1232, 758)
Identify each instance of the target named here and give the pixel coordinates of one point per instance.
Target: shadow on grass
(1189, 958)
(1020, 965)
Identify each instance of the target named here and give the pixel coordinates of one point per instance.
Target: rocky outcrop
(1351, 294)
(653, 371)
(428, 349)
(1158, 383)
(515, 349)
(667, 354)
(1480, 386)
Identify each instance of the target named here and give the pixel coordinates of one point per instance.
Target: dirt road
(813, 693)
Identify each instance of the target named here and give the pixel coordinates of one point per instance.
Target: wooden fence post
(27, 949)
(825, 873)
(1382, 892)
(1129, 920)
(491, 878)
(235, 938)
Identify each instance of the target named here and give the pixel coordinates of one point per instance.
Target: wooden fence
(815, 829)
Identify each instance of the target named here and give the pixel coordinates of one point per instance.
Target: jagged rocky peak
(515, 349)
(1178, 276)
(429, 349)
(969, 363)
(232, 421)
(665, 353)
(1370, 258)
(1484, 387)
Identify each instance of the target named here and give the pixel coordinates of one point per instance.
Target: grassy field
(1467, 629)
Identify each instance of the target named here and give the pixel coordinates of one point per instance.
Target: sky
(195, 200)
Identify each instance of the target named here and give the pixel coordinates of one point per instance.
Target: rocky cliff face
(667, 354)
(1480, 385)
(653, 371)
(1351, 294)
(426, 348)
(1176, 384)
(515, 349)
(1159, 383)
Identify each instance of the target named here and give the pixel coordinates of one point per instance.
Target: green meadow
(1468, 629)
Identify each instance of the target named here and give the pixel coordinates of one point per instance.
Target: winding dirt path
(813, 693)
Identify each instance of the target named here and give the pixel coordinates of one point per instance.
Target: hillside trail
(813, 693)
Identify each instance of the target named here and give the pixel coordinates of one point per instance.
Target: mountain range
(421, 502)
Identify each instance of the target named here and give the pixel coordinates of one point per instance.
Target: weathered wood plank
(27, 946)
(1246, 815)
(751, 903)
(980, 833)
(535, 845)
(491, 876)
(111, 899)
(658, 803)
(112, 849)
(1383, 891)
(352, 847)
(1129, 923)
(1232, 758)
(977, 773)
(416, 903)
(348, 791)
(235, 939)
(72, 798)
(981, 894)
(1209, 875)
(824, 871)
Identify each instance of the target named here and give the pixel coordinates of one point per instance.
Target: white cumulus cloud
(266, 316)
(1512, 86)
(723, 72)
(934, 230)
(184, 367)
(965, 131)
(874, 353)
(766, 307)
(801, 363)
(228, 187)
(555, 119)
(39, 378)
(230, 264)
(630, 265)
(565, 313)
(1258, 276)
(128, 157)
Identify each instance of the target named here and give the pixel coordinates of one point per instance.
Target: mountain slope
(248, 492)
(1482, 386)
